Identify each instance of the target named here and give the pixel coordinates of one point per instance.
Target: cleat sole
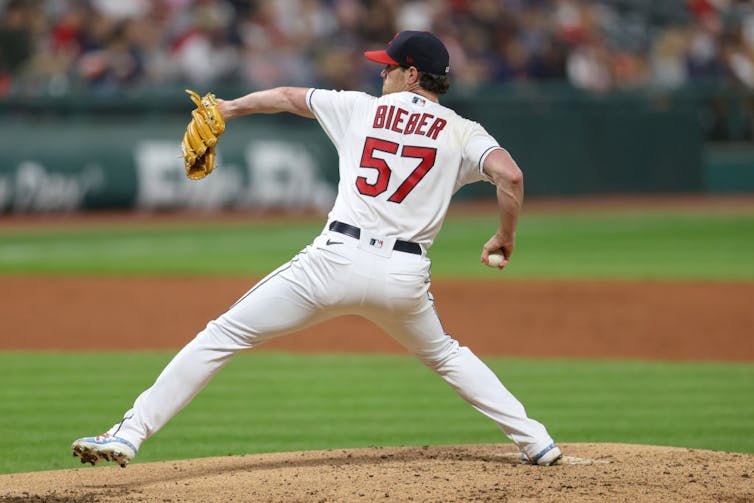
(94, 455)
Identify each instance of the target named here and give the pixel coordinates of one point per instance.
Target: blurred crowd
(50, 47)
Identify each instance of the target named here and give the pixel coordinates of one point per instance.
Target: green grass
(202, 249)
(670, 245)
(265, 402)
(633, 245)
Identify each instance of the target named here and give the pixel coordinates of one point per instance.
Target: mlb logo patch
(377, 245)
(416, 100)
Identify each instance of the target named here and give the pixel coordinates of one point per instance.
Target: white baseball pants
(391, 288)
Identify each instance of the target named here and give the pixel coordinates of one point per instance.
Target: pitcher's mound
(588, 472)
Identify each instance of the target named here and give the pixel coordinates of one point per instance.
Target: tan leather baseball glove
(201, 136)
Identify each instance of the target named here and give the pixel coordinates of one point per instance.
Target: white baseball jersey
(402, 157)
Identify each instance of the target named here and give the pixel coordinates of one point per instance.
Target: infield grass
(664, 245)
(266, 401)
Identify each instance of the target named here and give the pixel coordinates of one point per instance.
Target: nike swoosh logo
(329, 242)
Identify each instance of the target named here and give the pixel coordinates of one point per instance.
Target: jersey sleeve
(334, 110)
(477, 146)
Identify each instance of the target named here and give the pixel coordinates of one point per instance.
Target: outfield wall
(84, 152)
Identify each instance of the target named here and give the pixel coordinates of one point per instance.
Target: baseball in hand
(495, 259)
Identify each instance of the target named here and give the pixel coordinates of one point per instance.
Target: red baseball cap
(419, 49)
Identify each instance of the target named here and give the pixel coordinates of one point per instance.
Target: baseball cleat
(548, 456)
(104, 447)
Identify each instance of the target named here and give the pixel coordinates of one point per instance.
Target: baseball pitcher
(402, 156)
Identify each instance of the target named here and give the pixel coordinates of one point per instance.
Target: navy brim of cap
(381, 57)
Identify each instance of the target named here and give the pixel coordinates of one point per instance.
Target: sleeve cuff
(309, 94)
(483, 157)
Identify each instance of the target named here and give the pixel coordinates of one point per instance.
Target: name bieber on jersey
(394, 119)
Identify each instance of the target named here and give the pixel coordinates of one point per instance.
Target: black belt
(355, 232)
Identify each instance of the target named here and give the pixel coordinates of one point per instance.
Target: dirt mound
(589, 472)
